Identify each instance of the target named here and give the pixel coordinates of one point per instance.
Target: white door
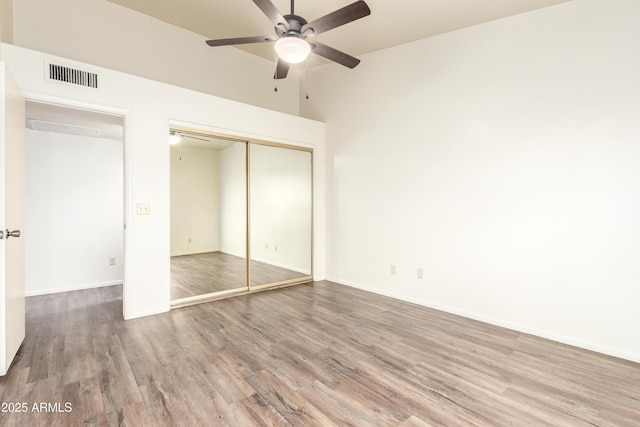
(12, 202)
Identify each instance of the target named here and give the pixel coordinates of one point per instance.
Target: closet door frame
(214, 296)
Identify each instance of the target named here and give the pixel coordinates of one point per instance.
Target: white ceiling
(391, 23)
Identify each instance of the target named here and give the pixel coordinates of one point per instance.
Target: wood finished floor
(200, 274)
(311, 355)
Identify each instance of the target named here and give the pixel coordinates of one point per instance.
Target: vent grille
(73, 75)
(46, 126)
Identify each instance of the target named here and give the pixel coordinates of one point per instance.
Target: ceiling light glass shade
(174, 138)
(292, 49)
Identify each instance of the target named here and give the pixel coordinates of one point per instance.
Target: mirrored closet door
(232, 201)
(208, 216)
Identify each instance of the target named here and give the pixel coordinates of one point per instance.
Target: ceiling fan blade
(340, 17)
(272, 12)
(241, 40)
(282, 68)
(334, 55)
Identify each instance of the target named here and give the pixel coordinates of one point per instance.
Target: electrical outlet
(420, 273)
(392, 270)
(275, 248)
(112, 260)
(143, 209)
(189, 240)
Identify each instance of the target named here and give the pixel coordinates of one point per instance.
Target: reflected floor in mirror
(200, 274)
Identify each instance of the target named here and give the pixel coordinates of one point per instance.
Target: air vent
(73, 75)
(46, 126)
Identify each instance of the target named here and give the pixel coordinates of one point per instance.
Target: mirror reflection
(215, 183)
(280, 214)
(208, 215)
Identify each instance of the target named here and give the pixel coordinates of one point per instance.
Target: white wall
(281, 207)
(74, 205)
(103, 33)
(195, 200)
(503, 160)
(233, 200)
(150, 108)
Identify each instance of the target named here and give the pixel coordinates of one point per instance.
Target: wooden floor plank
(85, 399)
(295, 409)
(319, 354)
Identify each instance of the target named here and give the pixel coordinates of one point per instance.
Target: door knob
(14, 233)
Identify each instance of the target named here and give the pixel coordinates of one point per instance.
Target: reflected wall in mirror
(280, 214)
(208, 216)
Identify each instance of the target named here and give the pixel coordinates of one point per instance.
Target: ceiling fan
(292, 32)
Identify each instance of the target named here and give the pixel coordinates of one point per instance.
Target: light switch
(143, 209)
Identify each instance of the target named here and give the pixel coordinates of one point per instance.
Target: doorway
(235, 200)
(74, 198)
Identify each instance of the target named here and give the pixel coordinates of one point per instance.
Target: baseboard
(286, 267)
(139, 314)
(204, 251)
(239, 255)
(71, 288)
(587, 345)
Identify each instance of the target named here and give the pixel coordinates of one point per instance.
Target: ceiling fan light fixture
(292, 49)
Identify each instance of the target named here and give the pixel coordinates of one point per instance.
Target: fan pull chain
(275, 77)
(306, 79)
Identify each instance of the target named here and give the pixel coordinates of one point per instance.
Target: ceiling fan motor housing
(295, 27)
